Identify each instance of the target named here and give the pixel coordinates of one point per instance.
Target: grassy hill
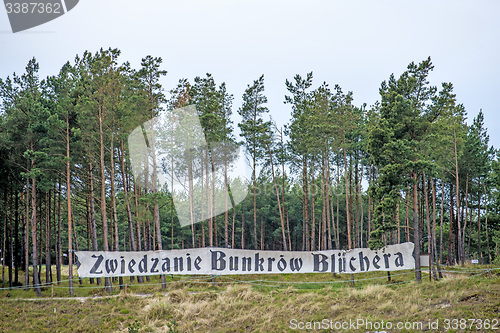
(265, 303)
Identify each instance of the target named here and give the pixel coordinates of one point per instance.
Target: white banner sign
(220, 261)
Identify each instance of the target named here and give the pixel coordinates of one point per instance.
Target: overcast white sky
(356, 44)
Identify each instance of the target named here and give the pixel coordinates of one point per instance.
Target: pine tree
(396, 144)
(255, 131)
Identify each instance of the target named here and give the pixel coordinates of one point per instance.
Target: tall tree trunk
(434, 246)
(430, 238)
(4, 234)
(283, 192)
(17, 258)
(347, 201)
(457, 189)
(370, 202)
(407, 217)
(262, 231)
(441, 226)
(226, 202)
(233, 246)
(92, 212)
(254, 202)
(361, 221)
(353, 224)
(332, 215)
(75, 238)
(137, 193)
(416, 231)
(305, 205)
(48, 264)
(54, 224)
(242, 228)
(468, 213)
(127, 198)
(11, 239)
(70, 210)
(22, 254)
(356, 200)
(104, 217)
(466, 216)
(146, 225)
(282, 217)
(338, 205)
(329, 206)
(313, 208)
(212, 200)
(398, 232)
(27, 239)
(128, 190)
(156, 209)
(288, 227)
(172, 205)
(36, 279)
(486, 224)
(40, 238)
(113, 202)
(59, 237)
(137, 221)
(191, 200)
(209, 205)
(451, 259)
(479, 250)
(202, 208)
(324, 232)
(113, 195)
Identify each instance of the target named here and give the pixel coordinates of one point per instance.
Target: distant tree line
(66, 182)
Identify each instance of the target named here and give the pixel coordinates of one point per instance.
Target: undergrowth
(269, 305)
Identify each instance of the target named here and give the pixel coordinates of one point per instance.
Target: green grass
(262, 303)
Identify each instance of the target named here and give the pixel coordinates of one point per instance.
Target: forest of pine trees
(336, 176)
